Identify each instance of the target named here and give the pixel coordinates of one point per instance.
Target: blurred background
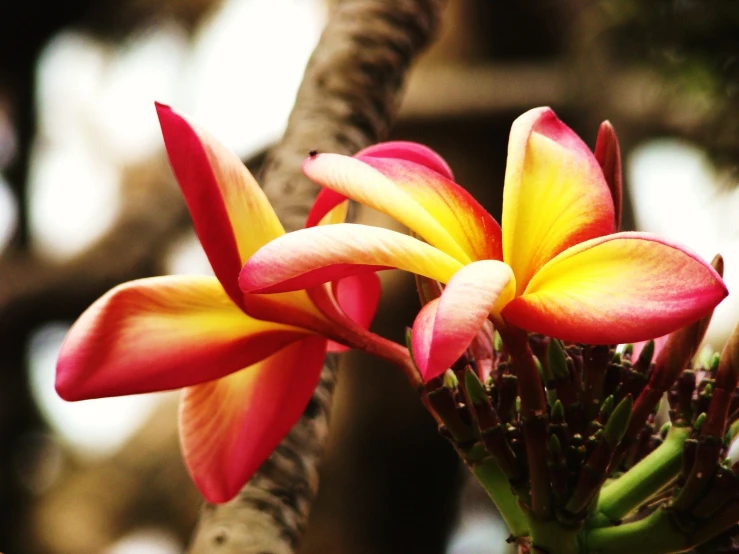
(87, 201)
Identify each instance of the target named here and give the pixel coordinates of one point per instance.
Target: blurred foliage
(695, 45)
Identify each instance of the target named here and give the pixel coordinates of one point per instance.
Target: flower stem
(552, 537)
(495, 483)
(654, 534)
(534, 418)
(642, 481)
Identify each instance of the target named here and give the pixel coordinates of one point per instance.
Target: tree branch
(349, 97)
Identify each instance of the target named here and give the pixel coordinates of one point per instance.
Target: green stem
(644, 480)
(654, 534)
(495, 483)
(554, 538)
(534, 417)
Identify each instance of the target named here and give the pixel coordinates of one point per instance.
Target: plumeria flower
(557, 267)
(248, 364)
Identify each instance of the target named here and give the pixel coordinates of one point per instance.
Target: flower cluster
(556, 267)
(247, 345)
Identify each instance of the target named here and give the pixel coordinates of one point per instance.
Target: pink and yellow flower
(556, 267)
(248, 364)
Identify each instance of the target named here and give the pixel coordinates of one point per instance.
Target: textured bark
(350, 92)
(349, 97)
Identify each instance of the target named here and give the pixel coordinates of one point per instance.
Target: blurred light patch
(247, 65)
(238, 77)
(145, 69)
(69, 73)
(8, 213)
(72, 185)
(479, 534)
(94, 427)
(96, 113)
(677, 194)
(73, 198)
(187, 257)
(37, 460)
(150, 541)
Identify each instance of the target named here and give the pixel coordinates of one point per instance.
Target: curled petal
(327, 199)
(357, 297)
(309, 257)
(554, 196)
(608, 154)
(230, 426)
(162, 333)
(231, 214)
(411, 152)
(625, 287)
(445, 327)
(435, 208)
(329, 207)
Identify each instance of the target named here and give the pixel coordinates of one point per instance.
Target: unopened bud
(617, 424)
(558, 412)
(557, 360)
(450, 380)
(544, 373)
(718, 264)
(732, 456)
(713, 363)
(664, 430)
(645, 357)
(555, 447)
(497, 342)
(608, 154)
(727, 374)
(475, 390)
(607, 407)
(699, 422)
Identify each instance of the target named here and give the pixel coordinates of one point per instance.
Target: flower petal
(230, 426)
(327, 199)
(625, 287)
(554, 196)
(472, 227)
(326, 208)
(231, 214)
(309, 257)
(162, 333)
(411, 152)
(445, 327)
(357, 296)
(437, 209)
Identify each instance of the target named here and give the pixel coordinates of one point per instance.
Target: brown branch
(348, 99)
